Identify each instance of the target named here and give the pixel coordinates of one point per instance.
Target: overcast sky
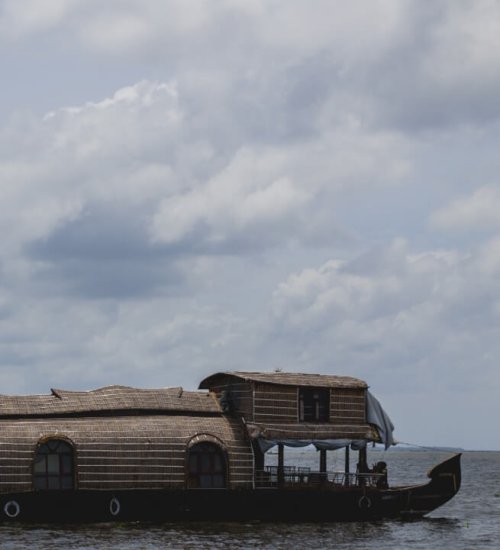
(203, 185)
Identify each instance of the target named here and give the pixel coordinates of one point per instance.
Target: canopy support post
(362, 466)
(322, 461)
(363, 462)
(281, 464)
(347, 465)
(258, 456)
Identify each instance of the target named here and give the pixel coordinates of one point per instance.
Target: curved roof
(287, 379)
(110, 398)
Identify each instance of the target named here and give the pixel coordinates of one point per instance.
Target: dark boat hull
(266, 504)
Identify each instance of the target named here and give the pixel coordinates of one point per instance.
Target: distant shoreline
(406, 448)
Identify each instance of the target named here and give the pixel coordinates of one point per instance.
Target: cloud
(78, 157)
(399, 311)
(250, 197)
(53, 342)
(134, 176)
(405, 65)
(478, 211)
(19, 18)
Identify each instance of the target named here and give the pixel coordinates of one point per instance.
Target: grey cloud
(111, 278)
(106, 253)
(98, 234)
(442, 71)
(391, 305)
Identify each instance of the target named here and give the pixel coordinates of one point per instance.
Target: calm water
(470, 520)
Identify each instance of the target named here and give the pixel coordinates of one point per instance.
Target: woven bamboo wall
(347, 406)
(274, 398)
(128, 452)
(275, 407)
(276, 412)
(275, 404)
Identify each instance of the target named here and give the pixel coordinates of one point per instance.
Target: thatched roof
(286, 379)
(110, 398)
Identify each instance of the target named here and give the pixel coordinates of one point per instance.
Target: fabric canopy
(320, 444)
(376, 415)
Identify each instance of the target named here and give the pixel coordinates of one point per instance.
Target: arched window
(206, 466)
(53, 467)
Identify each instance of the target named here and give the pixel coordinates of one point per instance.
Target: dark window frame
(206, 466)
(314, 404)
(54, 465)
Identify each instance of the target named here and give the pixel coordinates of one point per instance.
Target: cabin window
(53, 468)
(206, 466)
(314, 404)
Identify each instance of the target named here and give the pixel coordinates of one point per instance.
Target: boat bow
(445, 480)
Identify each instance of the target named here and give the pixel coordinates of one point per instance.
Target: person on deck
(380, 468)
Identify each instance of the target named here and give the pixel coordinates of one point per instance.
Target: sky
(196, 186)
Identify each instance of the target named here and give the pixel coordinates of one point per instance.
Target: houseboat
(120, 453)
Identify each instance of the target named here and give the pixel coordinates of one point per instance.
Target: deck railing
(299, 476)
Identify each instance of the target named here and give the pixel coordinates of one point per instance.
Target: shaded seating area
(284, 475)
(302, 477)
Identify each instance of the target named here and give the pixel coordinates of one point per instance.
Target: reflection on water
(470, 520)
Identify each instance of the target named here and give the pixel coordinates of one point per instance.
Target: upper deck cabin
(292, 409)
(280, 405)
